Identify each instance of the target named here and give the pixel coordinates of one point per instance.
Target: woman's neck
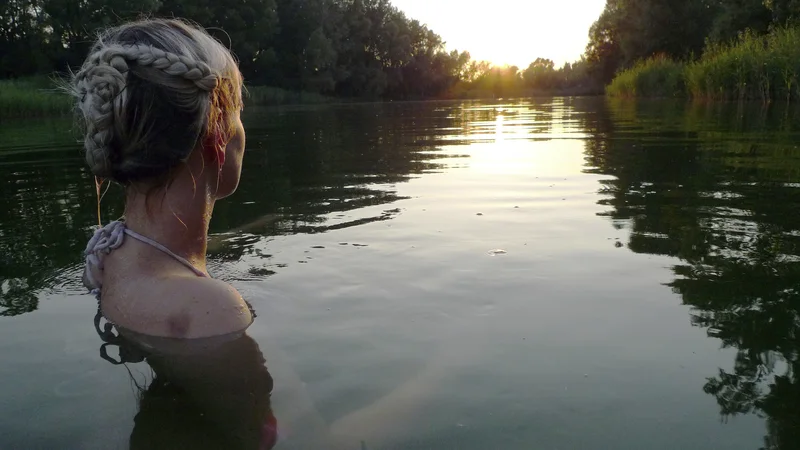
(176, 217)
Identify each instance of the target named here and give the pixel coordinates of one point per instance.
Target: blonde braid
(103, 78)
(173, 64)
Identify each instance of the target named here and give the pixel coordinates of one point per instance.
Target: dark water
(645, 296)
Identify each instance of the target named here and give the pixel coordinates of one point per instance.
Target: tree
(603, 52)
(784, 12)
(319, 59)
(74, 24)
(541, 75)
(249, 26)
(21, 27)
(352, 48)
(731, 17)
(630, 30)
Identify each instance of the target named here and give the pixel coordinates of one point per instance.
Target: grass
(267, 95)
(657, 76)
(39, 97)
(32, 97)
(752, 67)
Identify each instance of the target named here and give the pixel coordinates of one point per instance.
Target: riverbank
(753, 67)
(588, 89)
(40, 97)
(32, 97)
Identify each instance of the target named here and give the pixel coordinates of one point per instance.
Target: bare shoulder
(205, 307)
(176, 306)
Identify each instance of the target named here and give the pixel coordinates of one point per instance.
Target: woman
(161, 103)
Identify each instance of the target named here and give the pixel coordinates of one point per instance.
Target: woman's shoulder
(184, 307)
(207, 308)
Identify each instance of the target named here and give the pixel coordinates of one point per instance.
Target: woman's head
(151, 93)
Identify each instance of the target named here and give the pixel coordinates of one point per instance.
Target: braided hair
(148, 92)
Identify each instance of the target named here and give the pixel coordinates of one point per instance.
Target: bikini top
(111, 237)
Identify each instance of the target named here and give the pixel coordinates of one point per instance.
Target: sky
(513, 32)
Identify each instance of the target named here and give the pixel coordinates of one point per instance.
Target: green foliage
(658, 76)
(32, 97)
(247, 25)
(784, 12)
(266, 95)
(733, 16)
(751, 68)
(630, 30)
(40, 97)
(540, 78)
(541, 74)
(365, 49)
(354, 48)
(633, 30)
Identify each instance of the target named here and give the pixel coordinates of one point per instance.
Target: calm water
(645, 296)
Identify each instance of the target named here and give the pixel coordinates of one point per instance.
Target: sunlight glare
(513, 32)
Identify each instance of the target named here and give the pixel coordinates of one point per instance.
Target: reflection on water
(362, 235)
(717, 188)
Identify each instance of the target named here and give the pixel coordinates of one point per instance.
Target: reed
(40, 97)
(657, 76)
(32, 97)
(752, 67)
(267, 95)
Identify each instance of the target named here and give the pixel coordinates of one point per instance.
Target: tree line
(370, 49)
(351, 48)
(632, 30)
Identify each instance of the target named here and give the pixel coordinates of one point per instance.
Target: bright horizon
(513, 32)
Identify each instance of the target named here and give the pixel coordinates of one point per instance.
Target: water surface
(554, 274)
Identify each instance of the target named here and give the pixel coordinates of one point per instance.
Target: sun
(510, 32)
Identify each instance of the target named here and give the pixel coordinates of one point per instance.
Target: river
(567, 273)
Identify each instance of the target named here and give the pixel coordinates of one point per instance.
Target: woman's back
(161, 103)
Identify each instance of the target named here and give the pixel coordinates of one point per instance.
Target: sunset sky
(509, 31)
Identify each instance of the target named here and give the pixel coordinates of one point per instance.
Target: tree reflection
(715, 187)
(45, 210)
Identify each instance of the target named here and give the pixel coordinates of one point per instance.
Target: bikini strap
(111, 237)
(169, 252)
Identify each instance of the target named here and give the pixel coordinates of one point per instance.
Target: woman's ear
(214, 145)
(220, 150)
